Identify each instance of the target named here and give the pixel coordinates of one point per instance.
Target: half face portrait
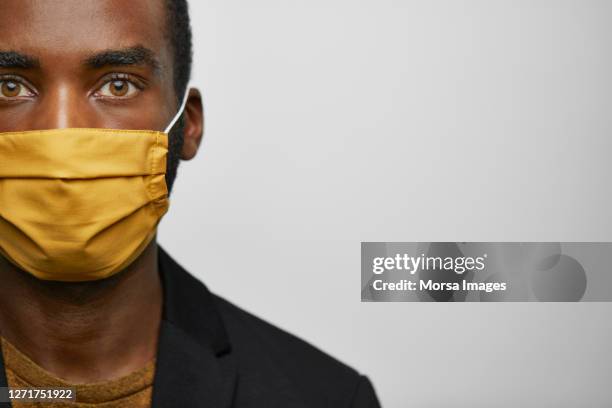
(96, 115)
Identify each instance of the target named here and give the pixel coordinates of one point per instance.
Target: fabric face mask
(81, 204)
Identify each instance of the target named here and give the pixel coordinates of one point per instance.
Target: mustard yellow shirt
(133, 390)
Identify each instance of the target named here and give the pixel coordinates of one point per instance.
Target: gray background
(334, 122)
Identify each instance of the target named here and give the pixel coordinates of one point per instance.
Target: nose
(63, 107)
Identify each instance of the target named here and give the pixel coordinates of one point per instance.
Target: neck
(84, 332)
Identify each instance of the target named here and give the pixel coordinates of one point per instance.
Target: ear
(194, 125)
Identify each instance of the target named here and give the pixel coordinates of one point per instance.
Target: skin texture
(88, 331)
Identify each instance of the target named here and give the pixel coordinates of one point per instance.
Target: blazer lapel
(188, 375)
(194, 365)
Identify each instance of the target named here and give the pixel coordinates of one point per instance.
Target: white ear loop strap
(180, 111)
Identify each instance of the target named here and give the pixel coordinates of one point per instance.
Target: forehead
(72, 28)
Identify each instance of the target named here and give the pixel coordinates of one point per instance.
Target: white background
(335, 122)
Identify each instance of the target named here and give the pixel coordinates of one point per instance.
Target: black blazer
(211, 354)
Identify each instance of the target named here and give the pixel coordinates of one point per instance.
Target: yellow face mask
(81, 204)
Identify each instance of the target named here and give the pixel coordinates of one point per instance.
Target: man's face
(85, 63)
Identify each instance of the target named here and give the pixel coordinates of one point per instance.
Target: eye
(13, 89)
(118, 88)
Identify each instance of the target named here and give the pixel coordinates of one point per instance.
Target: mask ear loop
(180, 111)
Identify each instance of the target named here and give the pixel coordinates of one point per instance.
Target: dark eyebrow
(13, 59)
(138, 55)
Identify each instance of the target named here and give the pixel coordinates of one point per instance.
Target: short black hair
(179, 35)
